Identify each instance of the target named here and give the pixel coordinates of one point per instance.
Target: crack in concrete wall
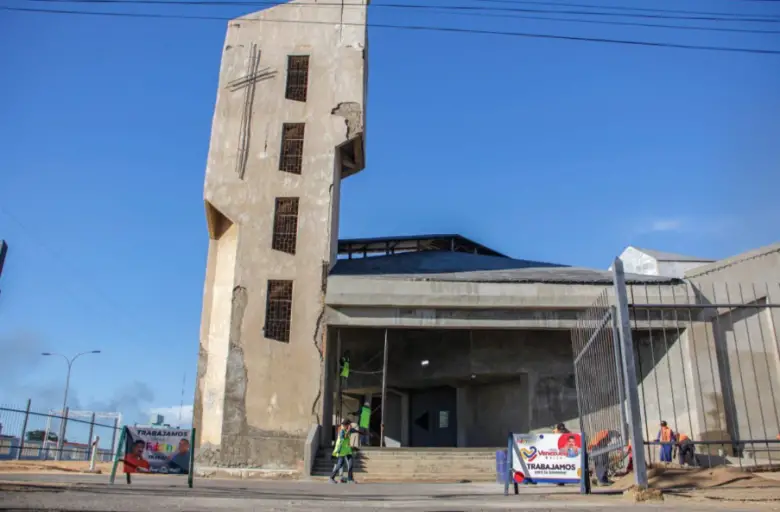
(318, 336)
(352, 112)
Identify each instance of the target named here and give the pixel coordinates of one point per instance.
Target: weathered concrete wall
(397, 303)
(215, 337)
(677, 268)
(745, 339)
(272, 389)
(488, 412)
(505, 380)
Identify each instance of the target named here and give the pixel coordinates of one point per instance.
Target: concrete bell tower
(289, 125)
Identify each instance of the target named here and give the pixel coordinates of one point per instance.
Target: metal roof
(414, 243)
(454, 266)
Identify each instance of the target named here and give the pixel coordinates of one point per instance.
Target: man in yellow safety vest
(343, 451)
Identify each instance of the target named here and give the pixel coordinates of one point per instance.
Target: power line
(445, 10)
(623, 23)
(528, 35)
(621, 8)
(266, 3)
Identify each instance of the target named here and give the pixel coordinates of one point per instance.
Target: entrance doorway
(433, 417)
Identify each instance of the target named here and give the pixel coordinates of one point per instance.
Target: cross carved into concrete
(248, 82)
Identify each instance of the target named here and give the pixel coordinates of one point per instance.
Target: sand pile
(678, 478)
(638, 494)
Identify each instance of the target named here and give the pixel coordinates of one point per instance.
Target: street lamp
(67, 386)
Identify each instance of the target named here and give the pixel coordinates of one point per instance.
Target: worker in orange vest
(666, 436)
(601, 440)
(687, 449)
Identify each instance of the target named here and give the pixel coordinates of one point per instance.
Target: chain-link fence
(26, 434)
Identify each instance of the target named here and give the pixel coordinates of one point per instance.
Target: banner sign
(547, 458)
(157, 450)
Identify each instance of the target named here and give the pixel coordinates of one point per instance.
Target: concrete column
(463, 415)
(405, 419)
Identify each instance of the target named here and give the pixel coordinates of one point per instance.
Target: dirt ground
(679, 478)
(50, 466)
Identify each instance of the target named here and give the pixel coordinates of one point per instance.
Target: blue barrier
(501, 466)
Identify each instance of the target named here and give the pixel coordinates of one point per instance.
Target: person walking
(343, 452)
(666, 437)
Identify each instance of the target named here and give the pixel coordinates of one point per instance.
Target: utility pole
(3, 252)
(69, 361)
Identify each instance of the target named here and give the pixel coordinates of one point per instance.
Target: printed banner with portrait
(157, 450)
(548, 458)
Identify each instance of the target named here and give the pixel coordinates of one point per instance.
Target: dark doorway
(433, 418)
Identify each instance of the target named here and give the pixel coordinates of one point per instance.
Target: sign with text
(547, 458)
(157, 450)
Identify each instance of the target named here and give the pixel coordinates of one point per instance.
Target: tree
(37, 435)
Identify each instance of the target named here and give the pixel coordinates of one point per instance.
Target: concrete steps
(416, 464)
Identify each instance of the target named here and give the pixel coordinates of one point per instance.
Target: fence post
(91, 432)
(113, 437)
(618, 369)
(629, 374)
(24, 430)
(44, 450)
(61, 440)
(93, 452)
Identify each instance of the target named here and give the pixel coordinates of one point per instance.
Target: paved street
(92, 493)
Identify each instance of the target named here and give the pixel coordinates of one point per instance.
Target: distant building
(650, 262)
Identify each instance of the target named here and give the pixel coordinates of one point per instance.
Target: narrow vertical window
(297, 77)
(278, 310)
(285, 234)
(291, 158)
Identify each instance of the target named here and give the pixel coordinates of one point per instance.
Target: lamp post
(69, 361)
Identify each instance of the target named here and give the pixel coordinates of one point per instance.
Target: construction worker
(687, 449)
(343, 452)
(630, 461)
(665, 436)
(601, 440)
(560, 428)
(365, 422)
(344, 366)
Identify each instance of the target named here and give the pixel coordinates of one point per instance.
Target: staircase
(450, 465)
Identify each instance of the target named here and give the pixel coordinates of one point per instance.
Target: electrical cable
(620, 8)
(428, 28)
(266, 3)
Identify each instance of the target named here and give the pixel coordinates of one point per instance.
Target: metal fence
(26, 434)
(702, 356)
(600, 385)
(708, 363)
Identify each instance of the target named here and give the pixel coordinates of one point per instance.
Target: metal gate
(605, 378)
(600, 383)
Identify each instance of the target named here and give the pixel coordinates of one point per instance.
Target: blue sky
(550, 150)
